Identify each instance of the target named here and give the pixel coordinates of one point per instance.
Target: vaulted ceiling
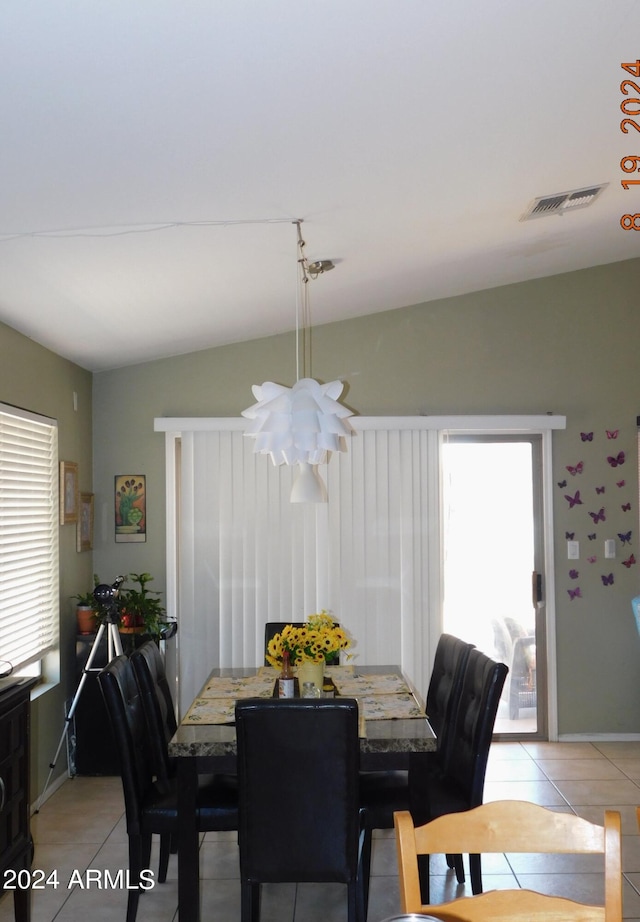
(155, 154)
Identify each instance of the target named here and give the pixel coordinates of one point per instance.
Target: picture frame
(68, 492)
(84, 529)
(130, 508)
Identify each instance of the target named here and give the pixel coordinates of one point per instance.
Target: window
(29, 521)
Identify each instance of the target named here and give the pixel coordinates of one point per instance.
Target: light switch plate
(573, 550)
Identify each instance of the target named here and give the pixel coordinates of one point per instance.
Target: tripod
(106, 596)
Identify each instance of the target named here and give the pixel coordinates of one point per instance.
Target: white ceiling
(409, 135)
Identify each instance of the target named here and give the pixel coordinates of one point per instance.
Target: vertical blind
(29, 520)
(247, 555)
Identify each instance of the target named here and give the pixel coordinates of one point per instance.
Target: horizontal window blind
(29, 520)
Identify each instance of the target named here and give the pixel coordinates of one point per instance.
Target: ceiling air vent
(562, 202)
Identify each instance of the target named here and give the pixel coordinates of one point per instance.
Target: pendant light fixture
(299, 425)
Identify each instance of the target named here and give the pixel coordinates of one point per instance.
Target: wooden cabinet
(16, 847)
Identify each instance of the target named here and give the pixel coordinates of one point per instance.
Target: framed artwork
(131, 508)
(68, 492)
(84, 528)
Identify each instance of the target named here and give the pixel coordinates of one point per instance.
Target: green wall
(566, 344)
(36, 379)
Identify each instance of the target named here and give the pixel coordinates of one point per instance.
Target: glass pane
(489, 558)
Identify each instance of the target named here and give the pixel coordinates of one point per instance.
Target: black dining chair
(151, 808)
(272, 628)
(384, 793)
(459, 784)
(157, 702)
(299, 817)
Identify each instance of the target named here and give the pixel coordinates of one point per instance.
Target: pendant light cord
(303, 308)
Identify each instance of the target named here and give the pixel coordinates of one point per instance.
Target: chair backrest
(157, 702)
(298, 789)
(272, 628)
(511, 826)
(126, 713)
(472, 724)
(445, 685)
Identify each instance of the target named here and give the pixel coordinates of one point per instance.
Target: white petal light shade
(300, 423)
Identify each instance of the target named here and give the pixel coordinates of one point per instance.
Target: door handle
(536, 588)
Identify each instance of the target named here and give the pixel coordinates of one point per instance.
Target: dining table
(393, 728)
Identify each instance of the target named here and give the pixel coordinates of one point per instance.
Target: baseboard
(51, 789)
(598, 737)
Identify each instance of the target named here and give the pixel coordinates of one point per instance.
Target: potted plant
(87, 610)
(141, 610)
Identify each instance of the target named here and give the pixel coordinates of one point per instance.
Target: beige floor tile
(507, 751)
(585, 888)
(580, 769)
(599, 792)
(562, 750)
(515, 770)
(630, 767)
(537, 792)
(621, 750)
(595, 814)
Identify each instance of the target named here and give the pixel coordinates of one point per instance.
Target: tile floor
(82, 826)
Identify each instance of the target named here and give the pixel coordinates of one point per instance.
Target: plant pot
(86, 619)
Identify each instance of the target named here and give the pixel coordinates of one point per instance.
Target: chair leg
(475, 867)
(364, 871)
(166, 840)
(139, 853)
(249, 901)
(459, 866)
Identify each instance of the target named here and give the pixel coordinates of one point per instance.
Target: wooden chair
(511, 826)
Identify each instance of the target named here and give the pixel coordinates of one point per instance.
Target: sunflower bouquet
(320, 639)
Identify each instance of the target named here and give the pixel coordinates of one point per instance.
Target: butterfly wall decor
(607, 580)
(592, 537)
(592, 559)
(586, 436)
(619, 483)
(626, 538)
(617, 461)
(626, 507)
(630, 562)
(598, 516)
(574, 593)
(577, 469)
(599, 489)
(569, 535)
(562, 484)
(573, 574)
(612, 433)
(573, 500)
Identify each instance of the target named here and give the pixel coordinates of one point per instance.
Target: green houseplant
(141, 609)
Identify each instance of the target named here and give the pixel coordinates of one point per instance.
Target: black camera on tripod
(107, 596)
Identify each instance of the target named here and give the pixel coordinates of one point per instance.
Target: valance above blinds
(29, 522)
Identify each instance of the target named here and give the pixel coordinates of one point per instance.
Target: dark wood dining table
(205, 748)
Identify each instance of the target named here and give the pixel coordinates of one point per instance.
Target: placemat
(390, 707)
(354, 685)
(255, 686)
(211, 711)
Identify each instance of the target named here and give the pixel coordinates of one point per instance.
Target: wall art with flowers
(131, 508)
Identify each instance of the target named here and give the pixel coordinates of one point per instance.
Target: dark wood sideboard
(16, 846)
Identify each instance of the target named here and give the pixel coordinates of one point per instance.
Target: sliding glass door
(493, 564)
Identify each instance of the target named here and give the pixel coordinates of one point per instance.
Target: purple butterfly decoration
(574, 593)
(620, 483)
(626, 538)
(586, 436)
(562, 484)
(573, 500)
(592, 559)
(573, 574)
(626, 507)
(592, 537)
(577, 469)
(618, 460)
(607, 580)
(630, 562)
(598, 516)
(612, 434)
(569, 535)
(599, 489)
